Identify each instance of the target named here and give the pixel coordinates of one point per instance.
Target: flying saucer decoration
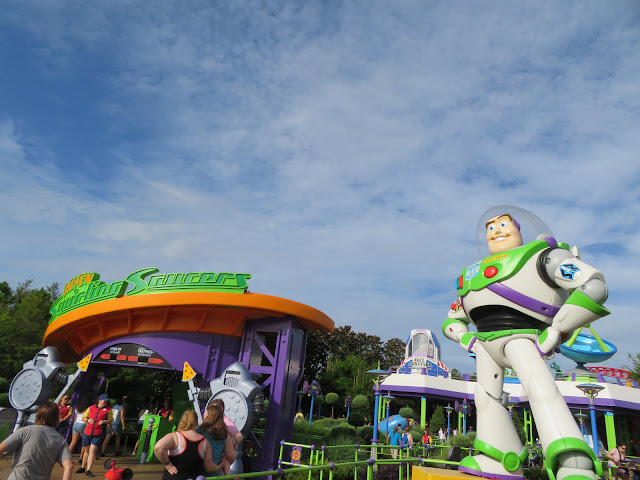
(583, 348)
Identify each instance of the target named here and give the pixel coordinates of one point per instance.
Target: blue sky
(341, 152)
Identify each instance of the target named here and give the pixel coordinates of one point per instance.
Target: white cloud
(340, 154)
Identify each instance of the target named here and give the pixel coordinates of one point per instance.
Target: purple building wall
(273, 348)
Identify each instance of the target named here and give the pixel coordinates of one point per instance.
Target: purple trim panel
(477, 473)
(473, 340)
(424, 391)
(604, 404)
(523, 300)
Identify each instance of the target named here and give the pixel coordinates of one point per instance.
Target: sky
(340, 152)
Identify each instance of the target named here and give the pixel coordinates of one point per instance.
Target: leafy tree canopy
(24, 316)
(635, 368)
(325, 348)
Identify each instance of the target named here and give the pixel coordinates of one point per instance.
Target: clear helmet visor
(531, 227)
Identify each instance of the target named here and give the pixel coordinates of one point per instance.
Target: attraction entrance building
(209, 320)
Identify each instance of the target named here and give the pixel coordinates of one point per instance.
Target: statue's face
(502, 234)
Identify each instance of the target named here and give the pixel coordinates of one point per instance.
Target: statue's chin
(499, 247)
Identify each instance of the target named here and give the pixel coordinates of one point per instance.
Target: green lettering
(208, 278)
(242, 278)
(136, 278)
(192, 278)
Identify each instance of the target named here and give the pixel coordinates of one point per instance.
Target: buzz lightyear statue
(524, 299)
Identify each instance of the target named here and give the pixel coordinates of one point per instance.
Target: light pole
(465, 412)
(591, 390)
(315, 391)
(320, 402)
(349, 401)
(388, 397)
(449, 409)
(300, 395)
(581, 418)
(377, 375)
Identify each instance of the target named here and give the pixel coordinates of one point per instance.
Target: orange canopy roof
(217, 313)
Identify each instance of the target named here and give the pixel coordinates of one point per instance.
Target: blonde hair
(188, 421)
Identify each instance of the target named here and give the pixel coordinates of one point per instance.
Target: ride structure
(154, 320)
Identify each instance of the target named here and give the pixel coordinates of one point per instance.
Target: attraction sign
(132, 354)
(87, 288)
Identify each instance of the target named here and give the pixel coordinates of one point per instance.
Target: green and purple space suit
(523, 302)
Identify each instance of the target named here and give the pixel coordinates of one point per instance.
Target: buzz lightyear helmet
(531, 227)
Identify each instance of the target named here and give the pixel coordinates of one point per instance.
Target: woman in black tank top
(185, 453)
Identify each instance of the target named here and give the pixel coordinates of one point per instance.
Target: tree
(348, 376)
(324, 348)
(24, 317)
(517, 423)
(635, 369)
(438, 420)
(332, 399)
(393, 353)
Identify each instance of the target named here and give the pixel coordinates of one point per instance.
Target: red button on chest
(490, 272)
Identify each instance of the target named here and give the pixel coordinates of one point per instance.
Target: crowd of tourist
(190, 451)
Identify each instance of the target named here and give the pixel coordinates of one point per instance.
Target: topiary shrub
(332, 399)
(407, 412)
(360, 402)
(356, 419)
(4, 385)
(4, 400)
(462, 440)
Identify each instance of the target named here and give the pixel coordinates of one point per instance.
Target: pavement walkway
(148, 471)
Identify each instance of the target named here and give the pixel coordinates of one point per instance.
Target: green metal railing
(375, 455)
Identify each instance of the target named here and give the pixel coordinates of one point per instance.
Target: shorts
(62, 427)
(92, 440)
(79, 427)
(117, 429)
